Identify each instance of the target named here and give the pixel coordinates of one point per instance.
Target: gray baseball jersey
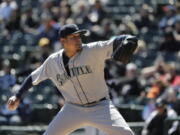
(86, 81)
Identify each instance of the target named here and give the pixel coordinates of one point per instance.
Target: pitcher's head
(70, 37)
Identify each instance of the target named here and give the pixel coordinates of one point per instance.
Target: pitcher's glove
(123, 48)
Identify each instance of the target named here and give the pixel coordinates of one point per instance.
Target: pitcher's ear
(62, 40)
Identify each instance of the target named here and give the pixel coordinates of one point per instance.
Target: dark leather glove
(124, 48)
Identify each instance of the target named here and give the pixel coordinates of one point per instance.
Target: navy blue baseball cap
(71, 29)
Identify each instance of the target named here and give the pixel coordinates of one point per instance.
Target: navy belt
(95, 102)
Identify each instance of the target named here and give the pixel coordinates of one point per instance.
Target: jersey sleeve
(105, 48)
(41, 73)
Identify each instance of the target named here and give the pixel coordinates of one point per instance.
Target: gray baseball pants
(103, 116)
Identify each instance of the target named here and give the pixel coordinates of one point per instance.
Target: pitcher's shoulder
(56, 54)
(90, 45)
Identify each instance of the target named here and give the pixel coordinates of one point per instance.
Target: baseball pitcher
(78, 72)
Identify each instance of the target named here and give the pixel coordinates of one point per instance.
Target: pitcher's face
(72, 43)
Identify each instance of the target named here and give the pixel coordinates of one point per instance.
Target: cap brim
(83, 32)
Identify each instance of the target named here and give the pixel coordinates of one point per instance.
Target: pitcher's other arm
(14, 101)
(26, 85)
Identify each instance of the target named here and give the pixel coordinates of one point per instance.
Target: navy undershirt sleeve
(27, 84)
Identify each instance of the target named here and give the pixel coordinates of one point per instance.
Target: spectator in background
(6, 9)
(155, 123)
(13, 24)
(113, 73)
(145, 18)
(171, 95)
(65, 11)
(170, 17)
(103, 31)
(176, 29)
(7, 79)
(25, 111)
(28, 22)
(49, 29)
(129, 26)
(30, 62)
(140, 53)
(80, 13)
(157, 89)
(124, 82)
(45, 7)
(56, 14)
(131, 86)
(97, 13)
(171, 77)
(108, 28)
(153, 72)
(45, 48)
(124, 29)
(148, 108)
(169, 43)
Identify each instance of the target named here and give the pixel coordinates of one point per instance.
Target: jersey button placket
(78, 83)
(74, 81)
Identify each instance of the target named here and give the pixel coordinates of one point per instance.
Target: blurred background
(147, 89)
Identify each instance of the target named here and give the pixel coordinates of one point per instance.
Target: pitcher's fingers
(11, 102)
(11, 108)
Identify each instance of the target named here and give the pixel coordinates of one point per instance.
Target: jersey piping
(80, 84)
(70, 80)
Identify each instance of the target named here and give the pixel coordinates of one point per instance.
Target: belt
(94, 102)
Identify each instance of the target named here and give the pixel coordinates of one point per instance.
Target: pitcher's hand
(13, 103)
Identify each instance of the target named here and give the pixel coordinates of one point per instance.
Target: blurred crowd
(29, 33)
